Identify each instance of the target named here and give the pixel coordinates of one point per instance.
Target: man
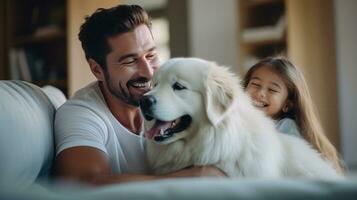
(97, 131)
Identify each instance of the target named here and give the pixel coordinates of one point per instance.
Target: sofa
(27, 153)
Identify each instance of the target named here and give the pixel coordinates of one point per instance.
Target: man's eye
(151, 56)
(128, 61)
(178, 86)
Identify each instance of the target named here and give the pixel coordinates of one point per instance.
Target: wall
(213, 31)
(148, 5)
(346, 44)
(311, 46)
(79, 73)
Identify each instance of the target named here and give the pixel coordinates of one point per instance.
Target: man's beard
(122, 94)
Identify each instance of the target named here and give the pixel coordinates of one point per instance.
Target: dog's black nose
(147, 101)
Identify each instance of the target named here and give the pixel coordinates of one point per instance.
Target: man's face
(131, 64)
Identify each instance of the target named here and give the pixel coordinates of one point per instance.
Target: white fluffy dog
(203, 117)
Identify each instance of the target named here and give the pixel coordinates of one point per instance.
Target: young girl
(278, 88)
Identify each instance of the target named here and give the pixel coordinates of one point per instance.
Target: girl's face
(268, 91)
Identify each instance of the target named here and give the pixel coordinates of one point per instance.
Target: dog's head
(187, 94)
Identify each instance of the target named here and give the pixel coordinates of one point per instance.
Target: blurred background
(39, 44)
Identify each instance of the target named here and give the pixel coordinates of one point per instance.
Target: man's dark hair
(105, 23)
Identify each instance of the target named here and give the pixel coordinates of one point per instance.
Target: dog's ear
(220, 93)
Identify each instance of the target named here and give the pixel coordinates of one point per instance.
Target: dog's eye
(178, 86)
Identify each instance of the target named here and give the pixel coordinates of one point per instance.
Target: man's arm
(90, 165)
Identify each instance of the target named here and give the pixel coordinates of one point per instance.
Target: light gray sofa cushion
(195, 188)
(26, 134)
(55, 95)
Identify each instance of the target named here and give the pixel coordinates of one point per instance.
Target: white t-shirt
(85, 120)
(288, 126)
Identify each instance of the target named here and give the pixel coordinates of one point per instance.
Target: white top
(288, 126)
(85, 120)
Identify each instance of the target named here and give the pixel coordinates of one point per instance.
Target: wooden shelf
(36, 44)
(264, 42)
(58, 83)
(263, 30)
(33, 39)
(252, 3)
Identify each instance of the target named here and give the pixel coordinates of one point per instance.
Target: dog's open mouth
(163, 130)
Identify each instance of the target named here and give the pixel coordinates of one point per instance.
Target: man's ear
(220, 93)
(96, 69)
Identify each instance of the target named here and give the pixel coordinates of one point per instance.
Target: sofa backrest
(26, 133)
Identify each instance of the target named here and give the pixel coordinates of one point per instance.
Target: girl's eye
(272, 90)
(255, 84)
(178, 86)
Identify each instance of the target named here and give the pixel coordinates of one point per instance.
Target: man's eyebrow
(151, 49)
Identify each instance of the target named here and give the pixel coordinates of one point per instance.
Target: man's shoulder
(89, 91)
(87, 98)
(87, 95)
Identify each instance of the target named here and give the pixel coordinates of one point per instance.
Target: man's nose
(146, 69)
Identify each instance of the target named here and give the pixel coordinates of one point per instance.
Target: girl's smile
(268, 91)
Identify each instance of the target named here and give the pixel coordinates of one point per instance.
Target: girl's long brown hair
(302, 110)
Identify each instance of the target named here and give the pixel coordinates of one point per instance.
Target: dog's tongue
(155, 130)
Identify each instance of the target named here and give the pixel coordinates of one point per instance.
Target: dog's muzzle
(161, 130)
(146, 103)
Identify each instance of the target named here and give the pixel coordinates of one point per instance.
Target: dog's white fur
(227, 130)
